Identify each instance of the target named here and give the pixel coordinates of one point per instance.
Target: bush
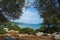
(15, 27)
(10, 26)
(27, 30)
(42, 29)
(46, 29)
(2, 31)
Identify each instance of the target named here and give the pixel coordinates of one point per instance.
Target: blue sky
(30, 16)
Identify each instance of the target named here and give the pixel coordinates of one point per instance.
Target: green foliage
(11, 9)
(2, 31)
(43, 29)
(46, 29)
(2, 18)
(15, 27)
(50, 13)
(10, 26)
(27, 30)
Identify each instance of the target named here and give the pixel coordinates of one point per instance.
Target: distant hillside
(34, 26)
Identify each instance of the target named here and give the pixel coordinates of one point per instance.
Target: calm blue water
(34, 26)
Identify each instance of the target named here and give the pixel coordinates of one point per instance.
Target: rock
(39, 33)
(56, 35)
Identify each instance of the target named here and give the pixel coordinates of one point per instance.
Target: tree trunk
(59, 2)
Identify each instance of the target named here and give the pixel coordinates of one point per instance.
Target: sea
(33, 26)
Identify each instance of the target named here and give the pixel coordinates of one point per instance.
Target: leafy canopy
(10, 9)
(49, 10)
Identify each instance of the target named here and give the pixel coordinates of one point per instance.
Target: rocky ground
(30, 37)
(37, 38)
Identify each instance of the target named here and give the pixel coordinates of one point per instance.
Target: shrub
(2, 31)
